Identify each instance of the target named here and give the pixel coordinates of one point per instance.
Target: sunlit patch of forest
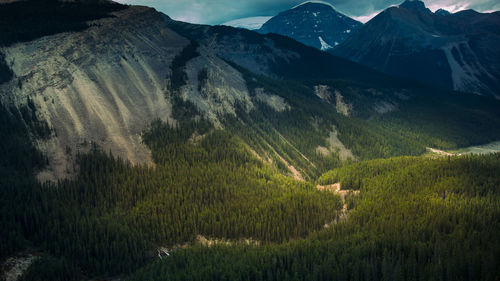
(415, 219)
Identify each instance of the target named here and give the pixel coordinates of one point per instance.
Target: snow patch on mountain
(324, 46)
(251, 23)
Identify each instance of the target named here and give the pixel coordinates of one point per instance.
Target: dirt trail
(162, 252)
(335, 188)
(296, 174)
(200, 239)
(440, 152)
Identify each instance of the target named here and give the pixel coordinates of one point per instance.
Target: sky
(220, 11)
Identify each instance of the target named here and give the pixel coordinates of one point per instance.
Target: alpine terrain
(452, 51)
(137, 147)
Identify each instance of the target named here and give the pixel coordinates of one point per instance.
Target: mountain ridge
(443, 50)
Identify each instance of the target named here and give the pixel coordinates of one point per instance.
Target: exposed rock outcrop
(103, 85)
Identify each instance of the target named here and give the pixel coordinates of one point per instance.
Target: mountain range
(137, 147)
(111, 96)
(452, 51)
(105, 82)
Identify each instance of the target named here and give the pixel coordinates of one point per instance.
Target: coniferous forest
(414, 218)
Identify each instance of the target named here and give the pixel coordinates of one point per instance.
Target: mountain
(312, 23)
(127, 138)
(452, 51)
(442, 12)
(111, 95)
(251, 23)
(134, 65)
(415, 5)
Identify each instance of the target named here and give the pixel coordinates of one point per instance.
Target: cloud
(366, 18)
(214, 11)
(219, 11)
(453, 8)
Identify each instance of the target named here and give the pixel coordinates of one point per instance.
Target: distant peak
(442, 12)
(315, 3)
(469, 12)
(414, 5)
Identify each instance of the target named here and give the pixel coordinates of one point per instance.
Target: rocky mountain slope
(453, 51)
(315, 24)
(105, 84)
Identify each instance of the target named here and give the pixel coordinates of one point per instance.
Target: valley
(488, 148)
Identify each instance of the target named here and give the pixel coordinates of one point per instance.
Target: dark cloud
(219, 11)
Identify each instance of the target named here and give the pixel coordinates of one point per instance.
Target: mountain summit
(415, 5)
(442, 12)
(315, 24)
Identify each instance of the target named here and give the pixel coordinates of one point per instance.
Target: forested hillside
(108, 218)
(415, 218)
(427, 118)
(386, 116)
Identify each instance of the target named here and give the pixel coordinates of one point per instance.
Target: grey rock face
(103, 85)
